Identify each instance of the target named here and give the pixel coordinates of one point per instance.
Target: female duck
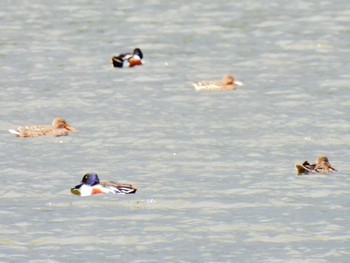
(321, 166)
(91, 185)
(59, 127)
(227, 83)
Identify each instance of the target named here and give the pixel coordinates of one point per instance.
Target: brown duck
(226, 84)
(59, 127)
(321, 166)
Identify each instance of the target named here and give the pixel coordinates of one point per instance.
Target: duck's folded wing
(305, 168)
(119, 188)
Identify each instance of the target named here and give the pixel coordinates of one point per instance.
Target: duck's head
(138, 53)
(230, 80)
(90, 179)
(85, 188)
(322, 161)
(60, 123)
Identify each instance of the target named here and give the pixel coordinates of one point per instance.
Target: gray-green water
(214, 170)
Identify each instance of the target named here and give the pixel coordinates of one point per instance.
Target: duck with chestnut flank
(91, 185)
(128, 59)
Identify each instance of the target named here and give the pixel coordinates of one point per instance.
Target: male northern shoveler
(128, 59)
(227, 83)
(59, 127)
(91, 185)
(321, 166)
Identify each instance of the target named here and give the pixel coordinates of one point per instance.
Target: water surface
(215, 171)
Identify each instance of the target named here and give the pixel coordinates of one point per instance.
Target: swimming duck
(128, 59)
(227, 83)
(59, 127)
(91, 185)
(321, 166)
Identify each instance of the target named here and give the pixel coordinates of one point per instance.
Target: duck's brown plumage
(321, 165)
(226, 84)
(59, 127)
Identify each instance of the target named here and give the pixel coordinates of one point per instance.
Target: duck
(321, 166)
(128, 59)
(227, 83)
(91, 185)
(59, 127)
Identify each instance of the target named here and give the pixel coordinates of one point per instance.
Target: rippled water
(215, 170)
